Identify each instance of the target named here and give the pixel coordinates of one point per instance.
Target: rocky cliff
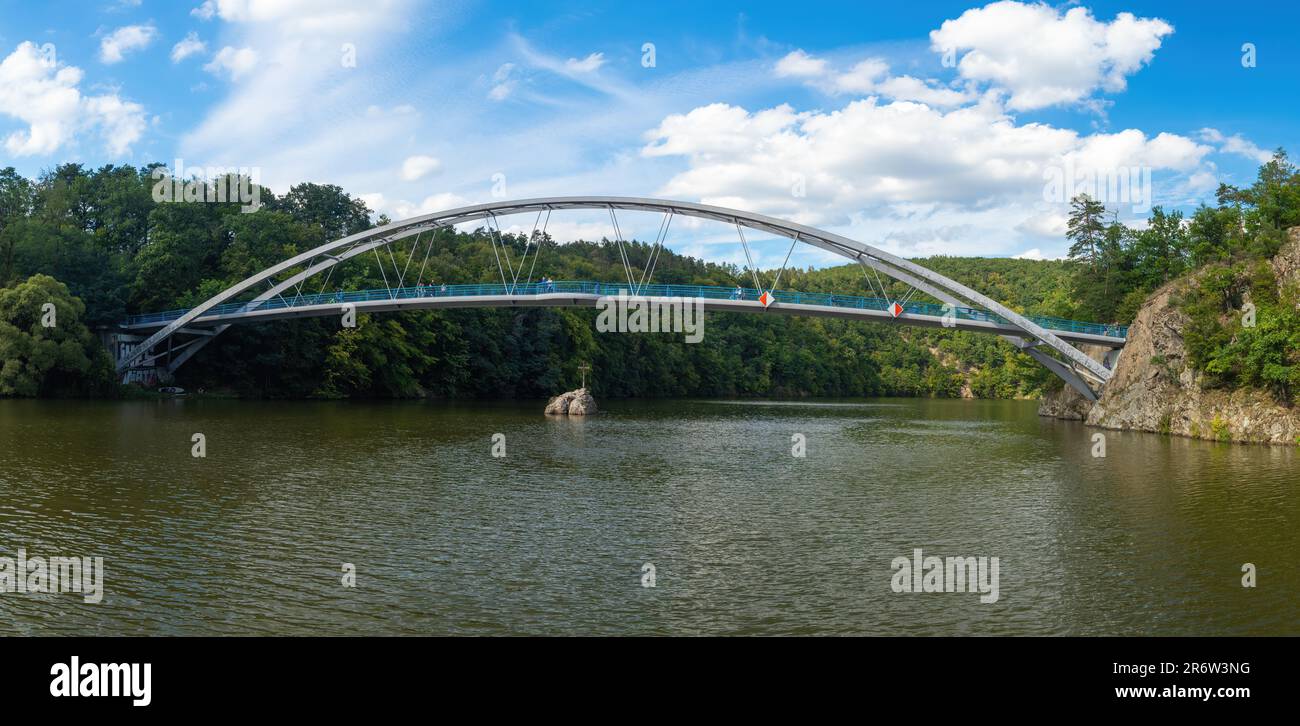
(1155, 389)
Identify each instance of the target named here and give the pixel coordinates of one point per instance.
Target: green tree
(327, 207)
(45, 345)
(1162, 248)
(17, 196)
(1085, 229)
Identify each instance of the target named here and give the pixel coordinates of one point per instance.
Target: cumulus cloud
(1235, 144)
(206, 11)
(114, 46)
(861, 78)
(869, 76)
(234, 62)
(1044, 56)
(418, 167)
(187, 47)
(586, 65)
(899, 160)
(798, 64)
(45, 96)
(907, 88)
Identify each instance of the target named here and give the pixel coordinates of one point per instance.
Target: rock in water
(583, 403)
(559, 405)
(573, 403)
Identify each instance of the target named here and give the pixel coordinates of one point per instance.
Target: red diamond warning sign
(895, 309)
(766, 298)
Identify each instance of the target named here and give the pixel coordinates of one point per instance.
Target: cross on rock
(584, 368)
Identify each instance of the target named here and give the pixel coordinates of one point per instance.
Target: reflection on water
(745, 537)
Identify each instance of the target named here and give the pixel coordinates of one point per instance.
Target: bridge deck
(587, 293)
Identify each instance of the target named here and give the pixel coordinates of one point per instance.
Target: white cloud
(1202, 183)
(1044, 56)
(586, 65)
(295, 16)
(869, 76)
(798, 64)
(1030, 254)
(1051, 224)
(120, 122)
(188, 47)
(502, 84)
(301, 115)
(206, 11)
(934, 176)
(1235, 144)
(233, 61)
(862, 78)
(400, 209)
(114, 46)
(561, 230)
(907, 88)
(418, 167)
(46, 97)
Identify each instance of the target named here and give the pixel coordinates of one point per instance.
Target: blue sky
(923, 128)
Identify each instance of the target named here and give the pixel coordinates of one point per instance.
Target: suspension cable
(388, 287)
(884, 295)
(297, 289)
(410, 256)
(618, 238)
(330, 272)
(514, 282)
(388, 247)
(500, 269)
(793, 242)
(657, 250)
(538, 253)
(750, 258)
(420, 278)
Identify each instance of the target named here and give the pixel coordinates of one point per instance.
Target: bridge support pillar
(120, 345)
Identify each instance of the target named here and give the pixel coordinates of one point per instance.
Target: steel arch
(1032, 339)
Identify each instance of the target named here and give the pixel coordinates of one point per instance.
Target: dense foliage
(45, 346)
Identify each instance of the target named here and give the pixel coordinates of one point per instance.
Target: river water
(554, 537)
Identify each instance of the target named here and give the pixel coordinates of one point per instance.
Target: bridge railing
(605, 288)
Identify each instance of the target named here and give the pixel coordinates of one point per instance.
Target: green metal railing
(606, 288)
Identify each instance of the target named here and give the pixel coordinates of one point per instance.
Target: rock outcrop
(573, 403)
(1064, 403)
(1155, 389)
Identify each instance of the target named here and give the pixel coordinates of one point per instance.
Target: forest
(95, 245)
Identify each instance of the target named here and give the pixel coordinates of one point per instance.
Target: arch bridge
(167, 339)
